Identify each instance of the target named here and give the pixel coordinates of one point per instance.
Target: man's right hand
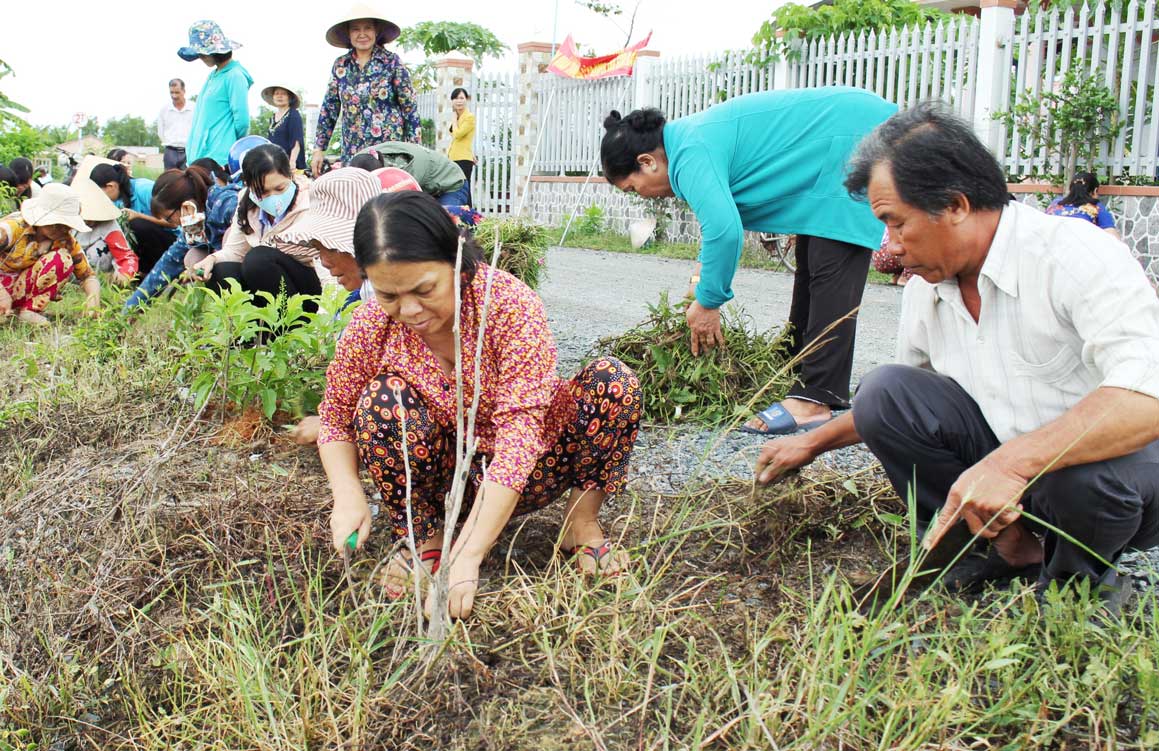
(316, 159)
(780, 457)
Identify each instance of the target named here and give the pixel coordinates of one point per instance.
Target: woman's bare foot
(593, 552)
(31, 316)
(802, 411)
(306, 431)
(396, 577)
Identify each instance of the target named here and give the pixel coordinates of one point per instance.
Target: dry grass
(167, 585)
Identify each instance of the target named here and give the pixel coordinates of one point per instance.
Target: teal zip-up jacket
(771, 162)
(222, 115)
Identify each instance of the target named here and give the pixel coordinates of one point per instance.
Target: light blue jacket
(771, 162)
(222, 114)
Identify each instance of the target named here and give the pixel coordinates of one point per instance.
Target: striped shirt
(1065, 310)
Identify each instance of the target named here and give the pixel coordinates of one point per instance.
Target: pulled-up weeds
(162, 588)
(681, 387)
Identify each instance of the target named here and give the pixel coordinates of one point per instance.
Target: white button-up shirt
(1065, 310)
(173, 125)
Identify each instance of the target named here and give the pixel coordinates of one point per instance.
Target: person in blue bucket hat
(222, 115)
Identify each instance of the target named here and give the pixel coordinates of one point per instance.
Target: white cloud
(115, 58)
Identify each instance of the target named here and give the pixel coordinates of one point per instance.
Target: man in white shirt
(174, 124)
(1028, 364)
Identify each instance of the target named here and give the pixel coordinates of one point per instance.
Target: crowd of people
(1019, 384)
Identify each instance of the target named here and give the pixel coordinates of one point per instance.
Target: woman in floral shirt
(391, 389)
(369, 87)
(38, 254)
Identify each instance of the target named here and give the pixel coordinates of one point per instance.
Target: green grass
(151, 173)
(615, 242)
(167, 586)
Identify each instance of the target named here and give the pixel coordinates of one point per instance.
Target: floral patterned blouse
(19, 249)
(524, 405)
(376, 102)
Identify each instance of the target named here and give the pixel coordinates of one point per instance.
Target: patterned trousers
(592, 452)
(36, 286)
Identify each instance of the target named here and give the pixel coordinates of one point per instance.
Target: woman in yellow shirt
(462, 150)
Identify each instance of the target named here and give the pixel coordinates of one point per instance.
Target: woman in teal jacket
(222, 115)
(769, 162)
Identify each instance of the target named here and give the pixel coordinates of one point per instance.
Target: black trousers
(174, 157)
(828, 285)
(270, 270)
(150, 241)
(467, 166)
(927, 430)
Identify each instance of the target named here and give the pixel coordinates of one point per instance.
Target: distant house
(86, 145)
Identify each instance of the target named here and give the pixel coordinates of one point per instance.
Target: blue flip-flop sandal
(779, 422)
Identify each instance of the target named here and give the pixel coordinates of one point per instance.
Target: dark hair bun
(612, 121)
(645, 120)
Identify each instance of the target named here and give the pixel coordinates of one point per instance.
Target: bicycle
(781, 248)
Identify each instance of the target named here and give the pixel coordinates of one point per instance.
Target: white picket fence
(1111, 42)
(572, 120)
(685, 85)
(495, 103)
(904, 66)
(1115, 41)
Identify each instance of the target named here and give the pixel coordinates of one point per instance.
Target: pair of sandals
(778, 421)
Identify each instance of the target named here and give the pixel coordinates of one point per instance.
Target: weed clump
(522, 247)
(706, 389)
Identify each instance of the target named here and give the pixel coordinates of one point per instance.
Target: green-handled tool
(352, 540)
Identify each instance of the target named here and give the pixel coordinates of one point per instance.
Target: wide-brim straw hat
(268, 95)
(338, 35)
(55, 204)
(95, 205)
(206, 38)
(335, 200)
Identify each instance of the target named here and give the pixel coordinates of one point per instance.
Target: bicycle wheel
(781, 248)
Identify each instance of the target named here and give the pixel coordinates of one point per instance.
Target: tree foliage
(20, 139)
(1070, 123)
(129, 130)
(442, 37)
(843, 16)
(260, 123)
(9, 108)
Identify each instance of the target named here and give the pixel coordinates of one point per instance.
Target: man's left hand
(705, 326)
(986, 496)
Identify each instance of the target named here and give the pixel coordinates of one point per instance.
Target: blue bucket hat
(206, 38)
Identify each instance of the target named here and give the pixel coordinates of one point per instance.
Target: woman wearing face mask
(256, 252)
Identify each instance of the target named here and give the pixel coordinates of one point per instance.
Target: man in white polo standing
(174, 124)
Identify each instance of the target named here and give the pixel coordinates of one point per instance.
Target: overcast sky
(114, 58)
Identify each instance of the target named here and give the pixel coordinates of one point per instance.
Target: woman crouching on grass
(540, 436)
(38, 254)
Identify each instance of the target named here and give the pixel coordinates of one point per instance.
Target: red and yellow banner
(569, 64)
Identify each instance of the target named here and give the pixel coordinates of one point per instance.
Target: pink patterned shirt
(524, 405)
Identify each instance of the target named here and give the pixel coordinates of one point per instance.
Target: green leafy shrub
(1069, 124)
(273, 356)
(522, 247)
(707, 389)
(592, 222)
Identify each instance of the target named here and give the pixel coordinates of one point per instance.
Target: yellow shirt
(22, 250)
(463, 139)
